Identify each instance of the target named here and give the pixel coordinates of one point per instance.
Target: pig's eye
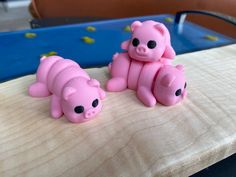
(135, 42)
(95, 103)
(185, 85)
(178, 92)
(79, 109)
(151, 44)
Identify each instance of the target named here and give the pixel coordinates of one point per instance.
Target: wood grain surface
(126, 139)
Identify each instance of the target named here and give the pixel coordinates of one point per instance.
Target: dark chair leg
(4, 5)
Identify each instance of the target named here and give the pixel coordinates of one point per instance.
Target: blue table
(20, 55)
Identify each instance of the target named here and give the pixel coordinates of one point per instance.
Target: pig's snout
(142, 50)
(90, 113)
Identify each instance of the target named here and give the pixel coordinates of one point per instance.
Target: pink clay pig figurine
(170, 85)
(148, 50)
(73, 92)
(149, 43)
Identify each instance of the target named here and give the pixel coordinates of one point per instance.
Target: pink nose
(90, 113)
(141, 49)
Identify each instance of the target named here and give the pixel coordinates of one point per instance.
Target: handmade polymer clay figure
(147, 51)
(73, 92)
(170, 85)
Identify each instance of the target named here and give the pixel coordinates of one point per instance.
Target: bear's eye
(95, 103)
(185, 85)
(135, 42)
(79, 109)
(151, 44)
(178, 92)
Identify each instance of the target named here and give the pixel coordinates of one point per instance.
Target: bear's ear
(93, 83)
(161, 28)
(167, 80)
(67, 92)
(135, 25)
(125, 45)
(180, 67)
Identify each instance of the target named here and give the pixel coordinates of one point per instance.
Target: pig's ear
(135, 25)
(125, 45)
(169, 52)
(167, 80)
(93, 83)
(101, 93)
(161, 28)
(67, 92)
(180, 67)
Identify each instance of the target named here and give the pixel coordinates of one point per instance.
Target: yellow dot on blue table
(88, 40)
(169, 19)
(30, 35)
(52, 53)
(127, 28)
(211, 38)
(91, 29)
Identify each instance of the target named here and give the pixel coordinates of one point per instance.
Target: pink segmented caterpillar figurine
(73, 92)
(147, 51)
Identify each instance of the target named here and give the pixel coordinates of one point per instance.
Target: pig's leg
(146, 96)
(119, 70)
(39, 88)
(56, 111)
(146, 79)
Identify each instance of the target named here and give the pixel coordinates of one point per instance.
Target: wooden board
(127, 138)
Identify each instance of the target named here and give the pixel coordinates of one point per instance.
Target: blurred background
(16, 14)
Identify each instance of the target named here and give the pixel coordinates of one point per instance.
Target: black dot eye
(178, 92)
(135, 42)
(95, 103)
(79, 109)
(185, 85)
(151, 44)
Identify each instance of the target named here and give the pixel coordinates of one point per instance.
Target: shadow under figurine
(73, 92)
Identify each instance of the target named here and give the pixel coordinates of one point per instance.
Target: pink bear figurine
(148, 50)
(170, 85)
(74, 93)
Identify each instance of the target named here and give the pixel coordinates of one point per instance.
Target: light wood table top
(127, 138)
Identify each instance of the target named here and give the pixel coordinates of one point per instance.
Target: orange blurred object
(129, 8)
